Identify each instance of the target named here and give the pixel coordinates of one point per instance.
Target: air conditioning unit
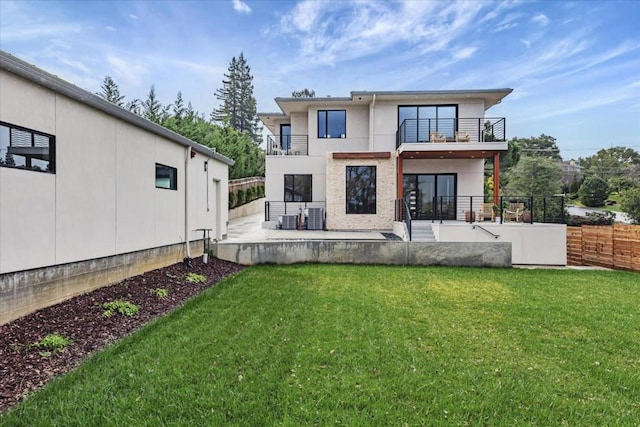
(289, 222)
(315, 219)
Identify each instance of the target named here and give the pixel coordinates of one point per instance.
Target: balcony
(474, 130)
(287, 145)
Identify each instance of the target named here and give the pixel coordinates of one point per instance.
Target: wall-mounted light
(205, 165)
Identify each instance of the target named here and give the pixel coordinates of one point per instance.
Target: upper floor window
(27, 149)
(297, 188)
(332, 123)
(361, 189)
(417, 122)
(166, 177)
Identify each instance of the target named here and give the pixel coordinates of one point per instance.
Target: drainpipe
(186, 204)
(372, 119)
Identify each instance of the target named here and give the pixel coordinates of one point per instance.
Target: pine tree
(152, 109)
(178, 107)
(304, 93)
(238, 105)
(111, 92)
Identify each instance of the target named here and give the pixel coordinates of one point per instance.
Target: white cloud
(541, 19)
(131, 72)
(241, 7)
(110, 28)
(465, 53)
(132, 16)
(303, 17)
(527, 43)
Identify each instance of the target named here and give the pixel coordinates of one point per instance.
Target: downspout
(186, 205)
(372, 119)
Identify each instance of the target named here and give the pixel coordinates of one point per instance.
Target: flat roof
(36, 75)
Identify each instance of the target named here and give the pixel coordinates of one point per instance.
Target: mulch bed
(24, 369)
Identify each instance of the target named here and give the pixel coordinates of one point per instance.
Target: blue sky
(574, 66)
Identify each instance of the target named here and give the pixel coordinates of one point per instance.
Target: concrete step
(422, 232)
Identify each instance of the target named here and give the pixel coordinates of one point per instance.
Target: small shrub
(160, 292)
(592, 218)
(233, 200)
(51, 343)
(121, 307)
(260, 191)
(593, 191)
(241, 198)
(196, 278)
(630, 204)
(250, 194)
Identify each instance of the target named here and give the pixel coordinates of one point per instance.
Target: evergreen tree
(541, 146)
(178, 107)
(304, 93)
(152, 109)
(238, 105)
(111, 92)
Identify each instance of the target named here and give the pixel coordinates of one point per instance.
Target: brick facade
(337, 218)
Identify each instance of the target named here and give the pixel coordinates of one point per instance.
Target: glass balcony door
(420, 120)
(285, 137)
(430, 196)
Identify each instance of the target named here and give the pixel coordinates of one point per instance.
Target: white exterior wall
(534, 244)
(357, 137)
(278, 166)
(102, 200)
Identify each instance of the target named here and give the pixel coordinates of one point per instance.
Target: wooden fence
(613, 246)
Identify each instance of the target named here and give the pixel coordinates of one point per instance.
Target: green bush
(593, 191)
(630, 204)
(592, 218)
(196, 278)
(52, 342)
(233, 200)
(260, 190)
(250, 194)
(240, 194)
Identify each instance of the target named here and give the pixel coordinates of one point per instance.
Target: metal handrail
(479, 129)
(288, 145)
(484, 229)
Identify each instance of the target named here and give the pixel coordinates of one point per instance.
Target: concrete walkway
(249, 229)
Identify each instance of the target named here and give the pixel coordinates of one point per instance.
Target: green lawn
(371, 345)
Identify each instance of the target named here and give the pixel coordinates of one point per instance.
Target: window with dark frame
(421, 120)
(166, 177)
(24, 148)
(297, 188)
(332, 124)
(361, 190)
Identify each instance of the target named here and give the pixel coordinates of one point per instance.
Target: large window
(361, 189)
(166, 177)
(26, 149)
(332, 124)
(297, 188)
(420, 120)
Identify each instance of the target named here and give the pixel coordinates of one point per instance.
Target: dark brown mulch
(23, 369)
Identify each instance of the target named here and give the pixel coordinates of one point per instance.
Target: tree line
(534, 166)
(232, 129)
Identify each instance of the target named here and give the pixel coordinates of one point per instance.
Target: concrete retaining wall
(367, 252)
(23, 292)
(249, 209)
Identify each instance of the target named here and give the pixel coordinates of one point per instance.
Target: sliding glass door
(420, 120)
(430, 196)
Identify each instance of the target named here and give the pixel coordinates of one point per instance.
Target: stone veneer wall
(337, 219)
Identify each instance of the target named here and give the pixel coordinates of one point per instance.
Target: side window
(361, 190)
(332, 124)
(166, 177)
(297, 188)
(27, 149)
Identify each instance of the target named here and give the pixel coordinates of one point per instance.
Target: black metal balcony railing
(484, 129)
(504, 209)
(287, 145)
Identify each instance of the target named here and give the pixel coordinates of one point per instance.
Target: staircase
(421, 231)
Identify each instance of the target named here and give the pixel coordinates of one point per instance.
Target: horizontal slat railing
(288, 145)
(275, 209)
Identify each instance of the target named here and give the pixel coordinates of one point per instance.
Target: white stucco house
(374, 159)
(91, 193)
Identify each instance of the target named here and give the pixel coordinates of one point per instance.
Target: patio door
(430, 196)
(285, 137)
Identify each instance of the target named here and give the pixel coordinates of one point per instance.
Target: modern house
(398, 161)
(91, 193)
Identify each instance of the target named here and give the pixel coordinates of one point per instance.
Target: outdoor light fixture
(205, 165)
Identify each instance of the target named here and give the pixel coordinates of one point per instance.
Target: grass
(370, 345)
(615, 196)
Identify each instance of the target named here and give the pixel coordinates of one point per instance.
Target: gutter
(186, 205)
